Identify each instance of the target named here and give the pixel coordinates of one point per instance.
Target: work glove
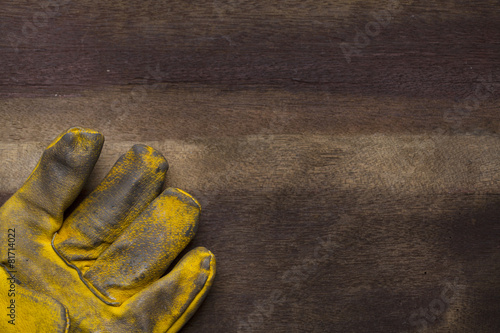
(100, 269)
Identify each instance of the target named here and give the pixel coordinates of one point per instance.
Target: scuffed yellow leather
(34, 312)
(102, 268)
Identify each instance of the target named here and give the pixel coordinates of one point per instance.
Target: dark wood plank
(195, 112)
(423, 50)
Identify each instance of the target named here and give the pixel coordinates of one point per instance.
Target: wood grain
(386, 167)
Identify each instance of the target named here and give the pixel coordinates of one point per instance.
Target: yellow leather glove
(100, 269)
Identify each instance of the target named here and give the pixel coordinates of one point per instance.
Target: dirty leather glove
(102, 268)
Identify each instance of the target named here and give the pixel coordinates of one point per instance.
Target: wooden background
(340, 193)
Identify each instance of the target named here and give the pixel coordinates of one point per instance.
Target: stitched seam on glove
(89, 285)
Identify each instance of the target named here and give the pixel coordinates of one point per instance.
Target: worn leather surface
(100, 269)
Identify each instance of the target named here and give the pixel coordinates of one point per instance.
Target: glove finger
(143, 252)
(167, 304)
(60, 174)
(133, 182)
